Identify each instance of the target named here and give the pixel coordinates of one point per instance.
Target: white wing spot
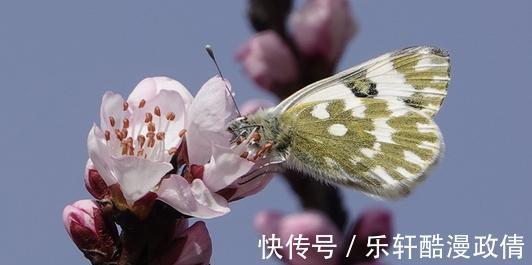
(355, 160)
(383, 132)
(383, 175)
(405, 173)
(356, 106)
(423, 64)
(425, 128)
(330, 162)
(337, 129)
(370, 153)
(429, 145)
(397, 108)
(320, 111)
(413, 158)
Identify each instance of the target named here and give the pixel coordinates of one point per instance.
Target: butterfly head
(247, 136)
(240, 130)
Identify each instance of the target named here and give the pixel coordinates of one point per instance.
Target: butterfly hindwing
(377, 145)
(417, 76)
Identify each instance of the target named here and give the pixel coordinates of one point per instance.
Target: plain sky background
(57, 58)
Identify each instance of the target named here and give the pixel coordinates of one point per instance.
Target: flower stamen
(170, 116)
(141, 140)
(148, 117)
(172, 151)
(160, 136)
(182, 133)
(142, 103)
(125, 123)
(151, 127)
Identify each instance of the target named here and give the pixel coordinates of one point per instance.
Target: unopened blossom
(137, 137)
(373, 222)
(323, 28)
(189, 246)
(269, 61)
(254, 105)
(94, 183)
(92, 234)
(308, 224)
(211, 163)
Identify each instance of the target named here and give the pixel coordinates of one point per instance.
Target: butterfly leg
(266, 148)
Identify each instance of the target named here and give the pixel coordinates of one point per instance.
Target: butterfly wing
(417, 76)
(380, 146)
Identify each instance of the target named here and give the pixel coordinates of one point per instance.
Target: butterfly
(369, 127)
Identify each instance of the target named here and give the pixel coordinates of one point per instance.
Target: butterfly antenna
(210, 51)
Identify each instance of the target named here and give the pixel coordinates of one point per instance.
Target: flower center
(147, 141)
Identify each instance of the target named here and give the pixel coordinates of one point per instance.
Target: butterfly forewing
(378, 145)
(417, 76)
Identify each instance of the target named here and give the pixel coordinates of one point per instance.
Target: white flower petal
(100, 156)
(208, 199)
(112, 106)
(224, 168)
(152, 86)
(175, 191)
(137, 176)
(207, 120)
(167, 101)
(194, 200)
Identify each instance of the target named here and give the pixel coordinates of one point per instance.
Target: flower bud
(322, 29)
(255, 105)
(191, 246)
(269, 62)
(309, 224)
(373, 222)
(269, 14)
(92, 234)
(94, 183)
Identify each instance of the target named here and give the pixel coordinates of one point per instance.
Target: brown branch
(271, 15)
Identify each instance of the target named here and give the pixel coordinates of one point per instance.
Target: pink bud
(322, 28)
(92, 234)
(191, 246)
(267, 222)
(309, 224)
(269, 61)
(255, 105)
(373, 222)
(94, 183)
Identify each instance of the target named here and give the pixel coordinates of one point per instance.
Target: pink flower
(92, 234)
(211, 163)
(190, 246)
(137, 137)
(269, 61)
(312, 223)
(322, 28)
